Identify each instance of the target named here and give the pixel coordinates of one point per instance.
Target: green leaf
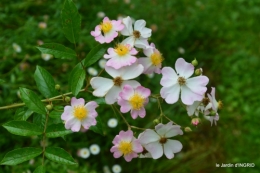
(57, 130)
(22, 114)
(71, 21)
(45, 82)
(76, 79)
(98, 128)
(94, 55)
(39, 120)
(2, 81)
(20, 155)
(55, 114)
(100, 101)
(59, 155)
(32, 101)
(40, 169)
(57, 50)
(22, 128)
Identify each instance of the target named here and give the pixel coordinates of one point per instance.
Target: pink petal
(145, 92)
(127, 92)
(89, 121)
(126, 136)
(183, 68)
(77, 102)
(137, 147)
(171, 147)
(68, 113)
(134, 114)
(73, 124)
(130, 156)
(125, 106)
(117, 154)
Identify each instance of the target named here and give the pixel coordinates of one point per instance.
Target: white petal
(192, 108)
(101, 86)
(155, 148)
(139, 25)
(198, 84)
(112, 72)
(128, 29)
(183, 68)
(188, 97)
(146, 32)
(112, 95)
(141, 43)
(129, 40)
(171, 94)
(148, 136)
(168, 130)
(145, 62)
(169, 77)
(171, 147)
(131, 72)
(132, 83)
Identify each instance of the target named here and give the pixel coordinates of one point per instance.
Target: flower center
(220, 105)
(163, 140)
(136, 34)
(80, 112)
(156, 58)
(125, 147)
(181, 80)
(137, 101)
(205, 101)
(122, 50)
(106, 26)
(118, 81)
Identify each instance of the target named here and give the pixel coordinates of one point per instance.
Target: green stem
(128, 125)
(45, 100)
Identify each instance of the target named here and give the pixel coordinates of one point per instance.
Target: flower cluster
(126, 61)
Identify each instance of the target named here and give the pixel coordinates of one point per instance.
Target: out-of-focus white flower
(94, 149)
(101, 14)
(150, 75)
(92, 71)
(46, 57)
(40, 42)
(112, 122)
(181, 50)
(102, 63)
(116, 168)
(17, 48)
(31, 162)
(83, 153)
(127, 1)
(42, 25)
(106, 169)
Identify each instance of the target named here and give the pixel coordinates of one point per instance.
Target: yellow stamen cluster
(156, 58)
(125, 147)
(106, 26)
(80, 112)
(122, 50)
(181, 80)
(137, 101)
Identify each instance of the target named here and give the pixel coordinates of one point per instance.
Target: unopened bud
(57, 87)
(156, 121)
(198, 71)
(187, 129)
(212, 113)
(195, 121)
(194, 62)
(49, 107)
(67, 99)
(220, 105)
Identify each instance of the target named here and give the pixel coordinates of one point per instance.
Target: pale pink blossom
(127, 145)
(107, 30)
(138, 35)
(134, 99)
(120, 56)
(79, 114)
(192, 89)
(110, 88)
(153, 62)
(211, 110)
(157, 141)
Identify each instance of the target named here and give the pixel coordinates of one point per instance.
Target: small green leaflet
(76, 79)
(94, 55)
(57, 50)
(32, 101)
(40, 169)
(71, 21)
(57, 130)
(20, 155)
(22, 128)
(59, 155)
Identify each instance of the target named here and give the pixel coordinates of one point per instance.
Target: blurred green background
(222, 35)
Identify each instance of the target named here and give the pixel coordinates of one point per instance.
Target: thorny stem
(45, 100)
(44, 137)
(128, 125)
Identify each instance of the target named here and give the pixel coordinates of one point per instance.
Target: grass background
(222, 35)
